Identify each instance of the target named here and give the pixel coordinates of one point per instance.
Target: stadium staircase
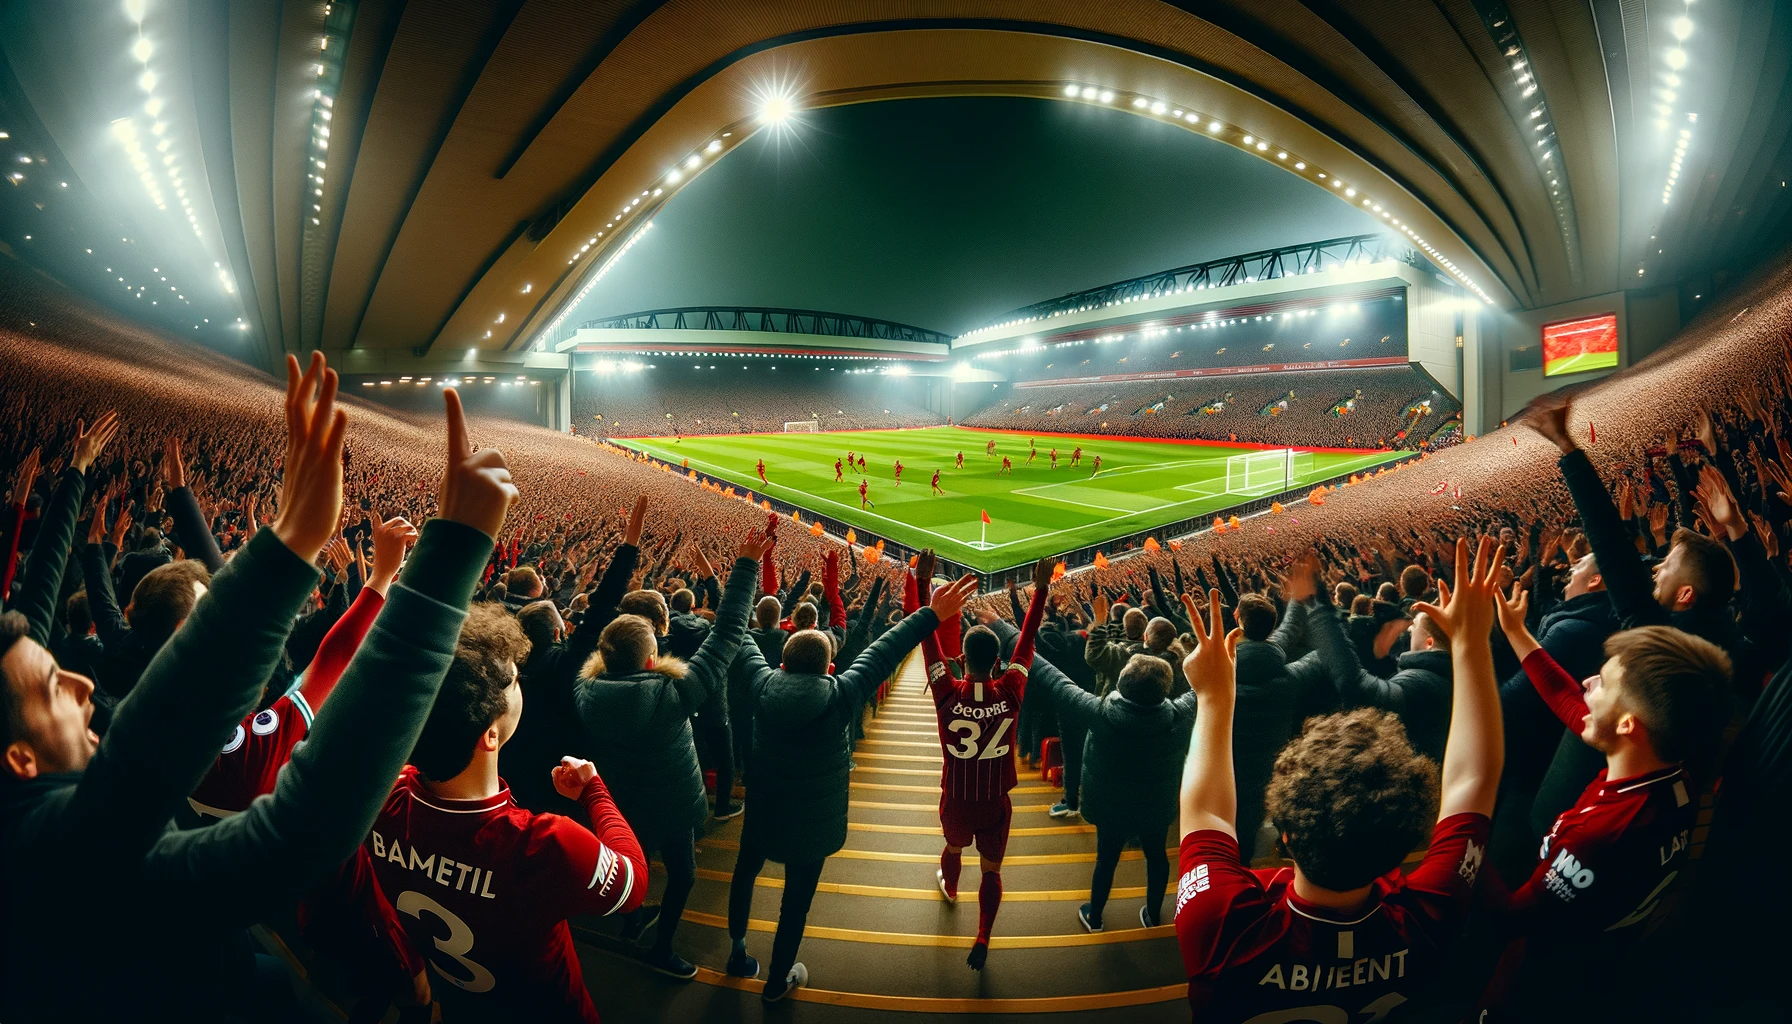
(883, 944)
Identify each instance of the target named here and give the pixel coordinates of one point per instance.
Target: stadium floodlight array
(1267, 472)
(802, 426)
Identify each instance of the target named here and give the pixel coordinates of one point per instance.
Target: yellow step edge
(933, 808)
(929, 830)
(943, 1004)
(933, 745)
(1018, 790)
(877, 731)
(932, 895)
(870, 756)
(815, 931)
(933, 858)
(931, 773)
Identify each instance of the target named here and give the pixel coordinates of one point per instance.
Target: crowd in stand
(499, 728)
(731, 397)
(1393, 407)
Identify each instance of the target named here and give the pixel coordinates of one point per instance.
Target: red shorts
(984, 822)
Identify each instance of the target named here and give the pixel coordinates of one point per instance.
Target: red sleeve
(15, 527)
(1558, 689)
(768, 574)
(338, 648)
(951, 634)
(830, 583)
(1441, 887)
(605, 872)
(1217, 897)
(911, 594)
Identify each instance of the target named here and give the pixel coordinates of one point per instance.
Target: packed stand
(731, 397)
(1382, 407)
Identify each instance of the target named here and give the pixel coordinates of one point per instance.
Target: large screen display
(1576, 346)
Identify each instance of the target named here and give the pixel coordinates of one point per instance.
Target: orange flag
(815, 530)
(880, 547)
(1275, 508)
(913, 561)
(1175, 545)
(852, 536)
(1218, 523)
(1058, 572)
(794, 517)
(766, 505)
(1233, 523)
(1151, 544)
(1101, 560)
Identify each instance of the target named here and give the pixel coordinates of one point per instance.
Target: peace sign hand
(1468, 611)
(1211, 669)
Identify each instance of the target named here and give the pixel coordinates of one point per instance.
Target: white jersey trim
(1326, 920)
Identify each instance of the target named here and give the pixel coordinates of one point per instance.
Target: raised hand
(90, 443)
(120, 528)
(754, 546)
(1100, 604)
(704, 569)
(949, 600)
(1302, 581)
(1548, 416)
(1512, 611)
(25, 478)
(311, 488)
(631, 534)
(1467, 611)
(476, 488)
(174, 471)
(390, 539)
(571, 775)
(1042, 575)
(924, 563)
(1211, 669)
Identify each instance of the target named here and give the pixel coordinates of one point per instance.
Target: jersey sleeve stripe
(298, 701)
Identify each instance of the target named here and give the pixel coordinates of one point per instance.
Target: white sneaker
(940, 876)
(797, 978)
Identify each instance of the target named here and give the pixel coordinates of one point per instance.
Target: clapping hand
(311, 487)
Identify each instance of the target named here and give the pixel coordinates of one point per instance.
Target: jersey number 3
(457, 945)
(969, 733)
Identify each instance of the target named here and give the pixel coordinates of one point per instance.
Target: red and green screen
(1576, 346)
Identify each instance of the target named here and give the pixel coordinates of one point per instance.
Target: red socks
(989, 900)
(950, 866)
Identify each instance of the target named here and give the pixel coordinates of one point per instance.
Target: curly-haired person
(1341, 933)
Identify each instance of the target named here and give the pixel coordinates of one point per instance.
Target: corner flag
(983, 531)
(986, 517)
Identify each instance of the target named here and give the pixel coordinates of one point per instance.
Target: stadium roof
(400, 176)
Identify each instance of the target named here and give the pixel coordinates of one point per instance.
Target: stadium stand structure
(760, 396)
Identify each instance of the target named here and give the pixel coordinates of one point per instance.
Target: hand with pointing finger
(476, 488)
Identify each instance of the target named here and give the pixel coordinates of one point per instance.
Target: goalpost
(1266, 472)
(802, 426)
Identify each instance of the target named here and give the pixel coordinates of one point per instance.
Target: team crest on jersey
(265, 722)
(1472, 855)
(236, 741)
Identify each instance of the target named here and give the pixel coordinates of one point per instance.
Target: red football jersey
(1607, 861)
(484, 888)
(978, 717)
(1251, 946)
(251, 762)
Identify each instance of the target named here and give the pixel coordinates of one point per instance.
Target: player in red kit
(977, 719)
(861, 463)
(899, 472)
(1054, 455)
(837, 474)
(1660, 697)
(960, 463)
(761, 468)
(1097, 467)
(937, 489)
(483, 886)
(1007, 467)
(865, 495)
(1341, 936)
(989, 450)
(1076, 457)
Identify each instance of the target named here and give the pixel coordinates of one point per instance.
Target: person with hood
(801, 760)
(634, 711)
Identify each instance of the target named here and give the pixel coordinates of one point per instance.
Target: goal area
(1266, 472)
(802, 426)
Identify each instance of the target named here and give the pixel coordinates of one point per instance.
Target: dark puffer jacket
(636, 727)
(1132, 755)
(1419, 692)
(802, 748)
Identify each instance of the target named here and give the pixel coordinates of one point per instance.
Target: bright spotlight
(135, 9)
(1681, 28)
(776, 110)
(1070, 90)
(141, 49)
(1676, 58)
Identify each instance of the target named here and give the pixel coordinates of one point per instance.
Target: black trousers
(1071, 736)
(1110, 842)
(715, 750)
(800, 881)
(680, 858)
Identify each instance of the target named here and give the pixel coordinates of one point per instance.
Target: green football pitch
(1581, 363)
(1034, 512)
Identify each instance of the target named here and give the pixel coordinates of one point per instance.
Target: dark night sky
(947, 213)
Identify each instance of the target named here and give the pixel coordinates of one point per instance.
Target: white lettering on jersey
(1566, 876)
(1367, 970)
(236, 741)
(974, 711)
(1194, 881)
(442, 870)
(265, 723)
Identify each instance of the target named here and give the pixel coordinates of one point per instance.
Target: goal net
(802, 426)
(1267, 472)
